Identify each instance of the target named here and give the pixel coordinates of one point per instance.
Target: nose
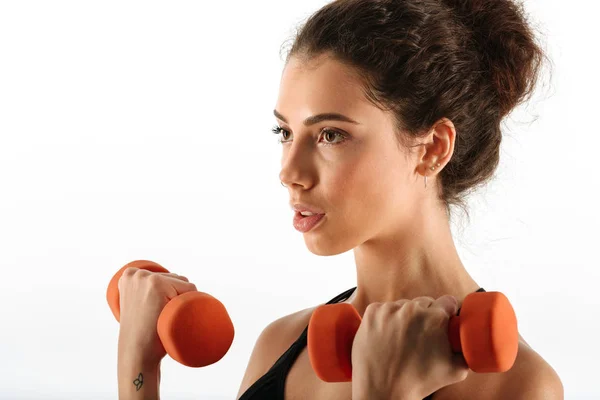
(287, 179)
(296, 168)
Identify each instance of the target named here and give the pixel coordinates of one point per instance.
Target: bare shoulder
(531, 377)
(272, 342)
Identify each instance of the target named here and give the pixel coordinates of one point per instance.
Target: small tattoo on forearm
(139, 382)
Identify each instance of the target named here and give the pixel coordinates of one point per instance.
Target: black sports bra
(271, 385)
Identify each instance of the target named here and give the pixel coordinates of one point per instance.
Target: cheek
(360, 186)
(345, 183)
(369, 191)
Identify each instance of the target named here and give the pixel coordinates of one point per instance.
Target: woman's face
(356, 173)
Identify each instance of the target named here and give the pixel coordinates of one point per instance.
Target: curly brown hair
(471, 61)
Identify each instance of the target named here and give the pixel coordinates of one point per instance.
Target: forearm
(138, 380)
(372, 391)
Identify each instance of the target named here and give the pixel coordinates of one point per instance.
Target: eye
(277, 130)
(328, 134)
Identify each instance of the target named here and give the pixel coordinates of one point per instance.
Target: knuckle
(155, 280)
(129, 272)
(411, 307)
(372, 309)
(423, 302)
(126, 277)
(400, 304)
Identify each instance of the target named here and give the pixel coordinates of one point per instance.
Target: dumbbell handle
(485, 333)
(194, 327)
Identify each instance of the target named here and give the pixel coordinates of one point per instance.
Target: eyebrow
(319, 118)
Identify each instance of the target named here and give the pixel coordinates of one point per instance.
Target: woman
(388, 113)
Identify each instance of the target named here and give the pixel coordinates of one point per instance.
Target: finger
(395, 305)
(448, 303)
(179, 287)
(424, 301)
(173, 275)
(144, 273)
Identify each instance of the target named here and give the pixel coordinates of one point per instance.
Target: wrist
(131, 351)
(138, 379)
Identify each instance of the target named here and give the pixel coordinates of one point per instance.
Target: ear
(437, 149)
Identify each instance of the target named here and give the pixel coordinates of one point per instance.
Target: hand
(143, 295)
(402, 351)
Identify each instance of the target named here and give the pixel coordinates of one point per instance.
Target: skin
(373, 193)
(371, 189)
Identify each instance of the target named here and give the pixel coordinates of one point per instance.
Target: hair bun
(509, 54)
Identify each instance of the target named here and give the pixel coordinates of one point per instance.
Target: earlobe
(433, 169)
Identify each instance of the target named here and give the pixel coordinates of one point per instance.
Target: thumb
(460, 367)
(448, 303)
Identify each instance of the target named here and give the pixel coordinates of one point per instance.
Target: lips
(299, 214)
(299, 207)
(305, 224)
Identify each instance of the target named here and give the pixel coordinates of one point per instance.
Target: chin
(326, 247)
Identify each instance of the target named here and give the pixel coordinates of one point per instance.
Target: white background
(142, 131)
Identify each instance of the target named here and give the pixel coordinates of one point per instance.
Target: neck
(422, 261)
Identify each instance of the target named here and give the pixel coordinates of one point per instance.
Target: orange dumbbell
(194, 327)
(484, 331)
